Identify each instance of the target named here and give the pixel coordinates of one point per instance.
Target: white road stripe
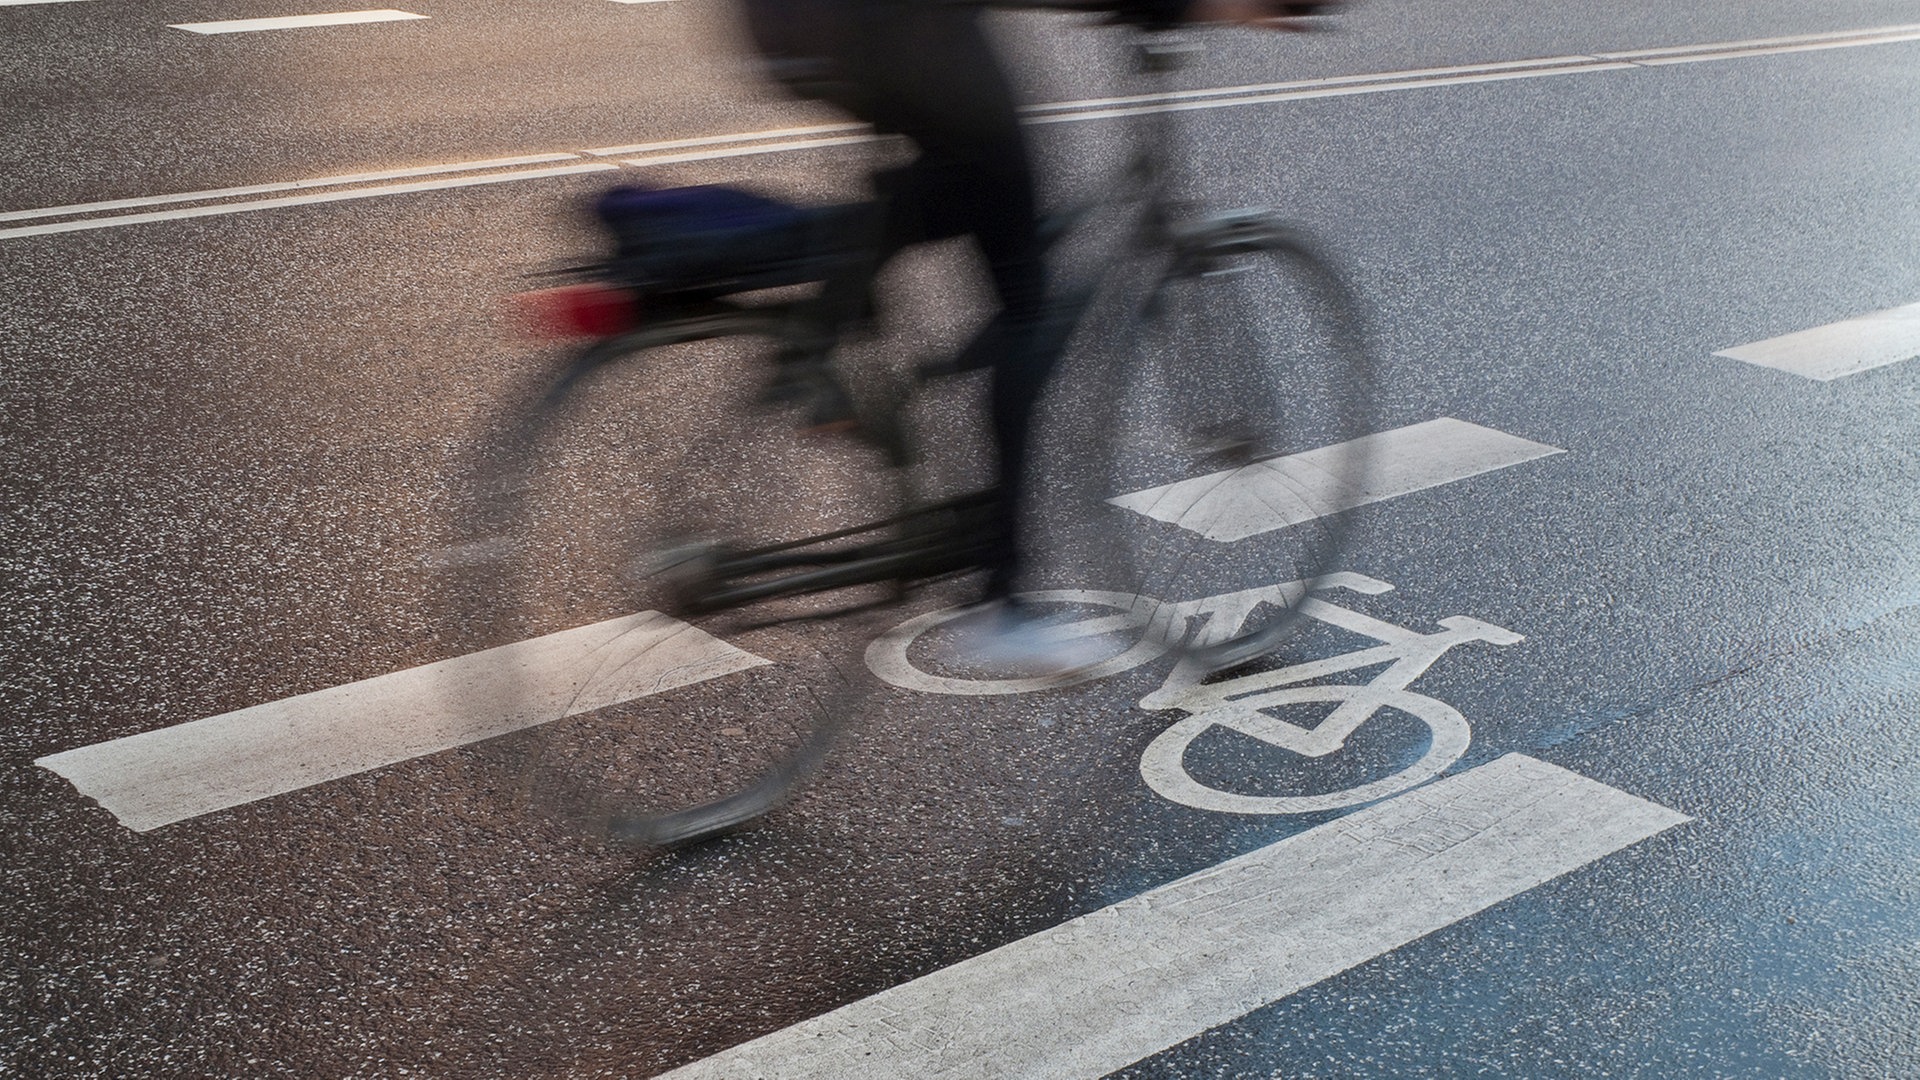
(302, 200)
(1839, 349)
(1776, 50)
(726, 140)
(1237, 503)
(159, 777)
(749, 151)
(1863, 36)
(23, 3)
(1328, 89)
(1300, 84)
(285, 185)
(295, 22)
(1108, 989)
(1256, 93)
(802, 138)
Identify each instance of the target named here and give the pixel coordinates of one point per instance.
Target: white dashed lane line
(1118, 985)
(1270, 495)
(1839, 349)
(296, 22)
(171, 774)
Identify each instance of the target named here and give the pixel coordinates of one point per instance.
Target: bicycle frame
(948, 536)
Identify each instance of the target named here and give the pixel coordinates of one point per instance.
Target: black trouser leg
(931, 76)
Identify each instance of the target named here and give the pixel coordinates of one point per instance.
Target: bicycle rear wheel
(648, 721)
(1242, 389)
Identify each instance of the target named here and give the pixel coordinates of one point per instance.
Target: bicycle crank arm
(865, 568)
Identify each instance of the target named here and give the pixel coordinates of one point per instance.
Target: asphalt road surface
(1643, 610)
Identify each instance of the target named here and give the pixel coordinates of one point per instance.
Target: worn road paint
(1836, 350)
(1110, 988)
(160, 777)
(1268, 495)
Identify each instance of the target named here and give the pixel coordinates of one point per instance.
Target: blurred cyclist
(923, 69)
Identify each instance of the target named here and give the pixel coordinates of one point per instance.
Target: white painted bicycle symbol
(1245, 704)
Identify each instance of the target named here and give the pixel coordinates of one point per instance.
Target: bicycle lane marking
(1250, 704)
(1839, 349)
(1271, 495)
(171, 774)
(1110, 988)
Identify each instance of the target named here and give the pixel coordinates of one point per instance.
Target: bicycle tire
(606, 513)
(1239, 389)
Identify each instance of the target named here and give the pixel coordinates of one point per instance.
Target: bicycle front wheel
(649, 716)
(1238, 428)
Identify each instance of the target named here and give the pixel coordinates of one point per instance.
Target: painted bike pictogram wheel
(894, 657)
(1163, 764)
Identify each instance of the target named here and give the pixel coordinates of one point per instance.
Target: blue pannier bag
(713, 240)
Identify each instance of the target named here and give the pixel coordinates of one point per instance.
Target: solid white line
(720, 140)
(1874, 32)
(1275, 494)
(1325, 90)
(23, 3)
(1776, 50)
(285, 185)
(159, 777)
(1839, 349)
(1559, 64)
(295, 22)
(302, 200)
(748, 151)
(1108, 989)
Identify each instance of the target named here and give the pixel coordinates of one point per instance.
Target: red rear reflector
(579, 311)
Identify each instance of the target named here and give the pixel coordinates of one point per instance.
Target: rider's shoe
(1007, 636)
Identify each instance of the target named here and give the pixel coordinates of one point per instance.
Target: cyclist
(923, 69)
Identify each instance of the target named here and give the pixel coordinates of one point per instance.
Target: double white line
(1337, 86)
(96, 215)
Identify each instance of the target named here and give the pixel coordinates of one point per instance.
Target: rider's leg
(940, 84)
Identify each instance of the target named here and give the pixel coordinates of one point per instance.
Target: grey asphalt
(233, 444)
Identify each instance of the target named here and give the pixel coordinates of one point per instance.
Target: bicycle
(821, 533)
(1247, 704)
